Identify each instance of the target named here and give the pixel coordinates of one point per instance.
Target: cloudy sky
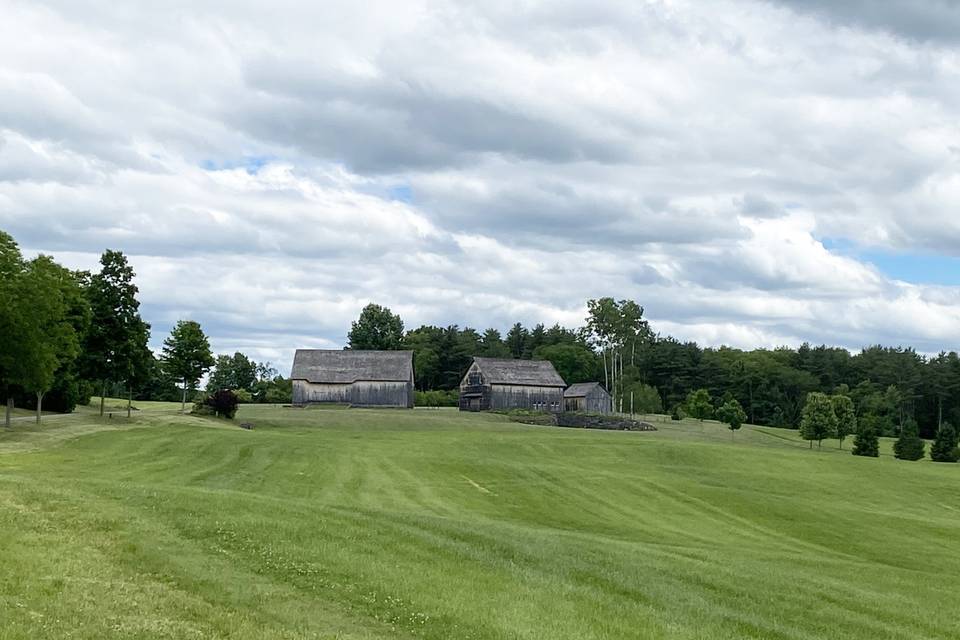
(753, 173)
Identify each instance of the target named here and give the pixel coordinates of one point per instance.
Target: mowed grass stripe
(371, 524)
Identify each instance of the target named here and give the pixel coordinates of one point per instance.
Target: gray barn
(357, 378)
(588, 396)
(493, 383)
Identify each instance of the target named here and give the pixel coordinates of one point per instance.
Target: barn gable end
(493, 383)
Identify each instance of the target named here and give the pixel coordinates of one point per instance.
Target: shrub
(908, 446)
(866, 443)
(243, 396)
(437, 398)
(677, 413)
(944, 448)
(224, 403)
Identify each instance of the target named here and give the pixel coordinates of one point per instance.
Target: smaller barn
(495, 383)
(356, 378)
(587, 396)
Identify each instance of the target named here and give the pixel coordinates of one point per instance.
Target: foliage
(233, 372)
(574, 362)
(377, 328)
(115, 348)
(186, 354)
(437, 398)
(909, 446)
(866, 441)
(846, 416)
(818, 420)
(944, 447)
(646, 399)
(678, 413)
(223, 402)
(731, 414)
(699, 405)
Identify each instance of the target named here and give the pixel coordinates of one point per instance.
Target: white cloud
(689, 155)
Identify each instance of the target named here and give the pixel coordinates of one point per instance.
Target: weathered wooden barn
(493, 383)
(356, 378)
(588, 396)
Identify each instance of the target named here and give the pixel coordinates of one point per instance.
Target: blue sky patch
(917, 268)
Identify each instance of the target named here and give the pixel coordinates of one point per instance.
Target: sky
(754, 173)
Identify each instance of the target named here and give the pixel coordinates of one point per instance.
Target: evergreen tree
(908, 446)
(517, 340)
(818, 420)
(866, 442)
(944, 448)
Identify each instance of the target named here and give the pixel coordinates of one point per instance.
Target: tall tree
(236, 372)
(60, 314)
(517, 340)
(186, 355)
(377, 328)
(846, 416)
(18, 335)
(115, 349)
(818, 420)
(492, 345)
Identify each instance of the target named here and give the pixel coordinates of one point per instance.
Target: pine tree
(944, 448)
(908, 446)
(866, 443)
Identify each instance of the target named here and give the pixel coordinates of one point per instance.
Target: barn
(587, 396)
(494, 383)
(356, 378)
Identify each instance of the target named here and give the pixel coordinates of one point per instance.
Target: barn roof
(581, 389)
(535, 373)
(341, 366)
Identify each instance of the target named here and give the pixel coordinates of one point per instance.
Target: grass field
(435, 524)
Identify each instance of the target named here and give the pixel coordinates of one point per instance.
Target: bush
(944, 447)
(221, 403)
(678, 413)
(866, 443)
(437, 398)
(908, 446)
(244, 396)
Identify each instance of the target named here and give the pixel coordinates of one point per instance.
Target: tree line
(889, 387)
(67, 335)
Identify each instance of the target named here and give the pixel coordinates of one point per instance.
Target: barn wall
(306, 392)
(598, 401)
(382, 394)
(505, 396)
(358, 394)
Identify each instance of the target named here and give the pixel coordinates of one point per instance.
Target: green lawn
(434, 524)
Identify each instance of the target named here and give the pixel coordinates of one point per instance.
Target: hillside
(436, 524)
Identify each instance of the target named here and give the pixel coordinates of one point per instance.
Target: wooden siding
(357, 394)
(596, 401)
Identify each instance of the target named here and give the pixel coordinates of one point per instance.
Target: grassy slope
(364, 524)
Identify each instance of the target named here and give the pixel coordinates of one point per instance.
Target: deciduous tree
(818, 420)
(846, 416)
(186, 355)
(377, 328)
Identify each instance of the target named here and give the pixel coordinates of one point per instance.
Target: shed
(587, 396)
(356, 378)
(494, 383)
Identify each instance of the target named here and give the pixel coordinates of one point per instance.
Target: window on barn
(475, 378)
